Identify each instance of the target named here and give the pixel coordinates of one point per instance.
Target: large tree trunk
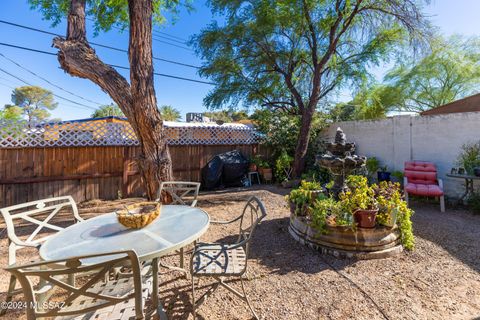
(154, 163)
(303, 141)
(137, 101)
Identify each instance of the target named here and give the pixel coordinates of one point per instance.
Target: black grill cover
(226, 169)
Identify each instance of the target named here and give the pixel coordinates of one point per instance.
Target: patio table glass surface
(176, 227)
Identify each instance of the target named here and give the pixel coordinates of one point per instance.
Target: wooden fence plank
(87, 173)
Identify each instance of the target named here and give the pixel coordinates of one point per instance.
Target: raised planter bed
(375, 243)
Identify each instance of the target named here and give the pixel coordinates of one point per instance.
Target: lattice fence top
(114, 132)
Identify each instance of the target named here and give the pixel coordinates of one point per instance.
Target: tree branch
(78, 59)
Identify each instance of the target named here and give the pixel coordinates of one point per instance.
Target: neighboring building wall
(398, 139)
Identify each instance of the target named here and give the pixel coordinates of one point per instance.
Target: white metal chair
(94, 298)
(182, 193)
(38, 214)
(217, 260)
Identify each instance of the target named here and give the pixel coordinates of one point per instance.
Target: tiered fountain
(340, 160)
(340, 241)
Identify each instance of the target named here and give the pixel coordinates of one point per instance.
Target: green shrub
(389, 197)
(360, 195)
(304, 196)
(283, 164)
(372, 165)
(469, 156)
(474, 202)
(321, 209)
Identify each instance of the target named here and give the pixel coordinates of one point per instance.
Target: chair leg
(193, 297)
(10, 292)
(182, 258)
(442, 204)
(246, 299)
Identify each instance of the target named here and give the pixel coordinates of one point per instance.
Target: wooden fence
(96, 172)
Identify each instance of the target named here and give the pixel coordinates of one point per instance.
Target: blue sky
(460, 16)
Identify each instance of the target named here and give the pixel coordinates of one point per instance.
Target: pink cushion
(429, 190)
(421, 177)
(423, 166)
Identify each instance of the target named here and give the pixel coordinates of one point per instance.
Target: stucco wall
(398, 139)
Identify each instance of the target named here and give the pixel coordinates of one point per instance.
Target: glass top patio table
(176, 227)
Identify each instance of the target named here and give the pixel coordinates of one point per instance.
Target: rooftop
(468, 104)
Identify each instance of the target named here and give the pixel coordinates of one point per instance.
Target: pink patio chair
(420, 179)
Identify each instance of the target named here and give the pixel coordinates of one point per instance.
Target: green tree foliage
(342, 112)
(227, 115)
(108, 111)
(11, 112)
(105, 14)
(280, 130)
(34, 101)
(450, 72)
(369, 103)
(289, 55)
(169, 113)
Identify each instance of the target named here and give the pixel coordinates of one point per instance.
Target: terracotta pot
(267, 173)
(252, 167)
(365, 218)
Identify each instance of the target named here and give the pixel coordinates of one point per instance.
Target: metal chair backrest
(81, 298)
(29, 214)
(181, 192)
(253, 213)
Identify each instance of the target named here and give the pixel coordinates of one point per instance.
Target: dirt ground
(439, 280)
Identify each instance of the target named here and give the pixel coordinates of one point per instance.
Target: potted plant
(302, 198)
(469, 158)
(324, 213)
(397, 176)
(394, 211)
(372, 166)
(254, 162)
(388, 196)
(360, 202)
(383, 174)
(265, 170)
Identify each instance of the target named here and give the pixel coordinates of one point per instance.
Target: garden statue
(341, 161)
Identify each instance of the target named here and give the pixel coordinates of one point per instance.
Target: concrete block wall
(398, 139)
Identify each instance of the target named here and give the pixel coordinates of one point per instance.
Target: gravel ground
(439, 280)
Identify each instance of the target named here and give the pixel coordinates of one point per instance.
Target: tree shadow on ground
(273, 247)
(456, 231)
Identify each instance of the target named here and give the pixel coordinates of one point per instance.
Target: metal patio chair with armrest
(217, 260)
(182, 193)
(28, 213)
(94, 298)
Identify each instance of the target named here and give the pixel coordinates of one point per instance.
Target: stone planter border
(341, 242)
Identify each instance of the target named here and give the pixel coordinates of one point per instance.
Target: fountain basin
(376, 243)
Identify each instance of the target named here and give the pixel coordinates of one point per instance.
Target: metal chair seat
(219, 259)
(91, 298)
(115, 288)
